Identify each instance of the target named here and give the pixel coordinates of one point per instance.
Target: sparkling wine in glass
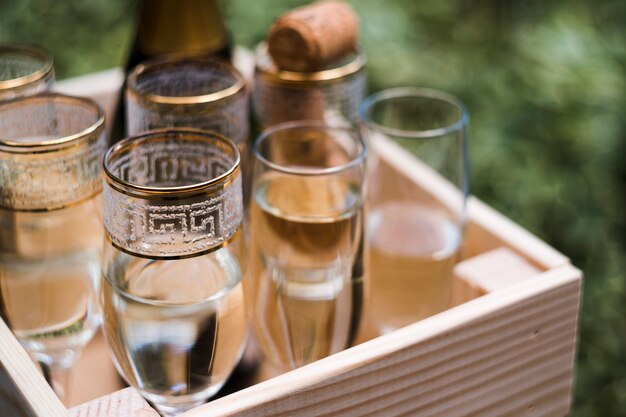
(306, 234)
(413, 235)
(51, 225)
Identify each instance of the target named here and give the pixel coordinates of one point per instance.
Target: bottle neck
(181, 26)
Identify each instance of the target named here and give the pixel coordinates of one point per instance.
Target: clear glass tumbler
(414, 232)
(51, 148)
(188, 92)
(25, 70)
(172, 294)
(306, 238)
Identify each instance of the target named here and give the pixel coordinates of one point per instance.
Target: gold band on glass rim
(84, 137)
(173, 61)
(178, 192)
(267, 70)
(30, 50)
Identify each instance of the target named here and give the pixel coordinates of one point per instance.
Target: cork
(310, 38)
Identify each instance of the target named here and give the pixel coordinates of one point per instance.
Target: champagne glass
(188, 92)
(51, 148)
(25, 70)
(414, 235)
(172, 294)
(306, 240)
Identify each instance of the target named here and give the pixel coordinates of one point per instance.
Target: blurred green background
(545, 82)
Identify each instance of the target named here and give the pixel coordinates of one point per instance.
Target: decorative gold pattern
(172, 193)
(56, 168)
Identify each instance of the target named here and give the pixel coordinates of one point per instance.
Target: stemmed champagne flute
(306, 240)
(51, 148)
(414, 235)
(173, 298)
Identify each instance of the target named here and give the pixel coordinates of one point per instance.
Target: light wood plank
(333, 384)
(123, 403)
(20, 372)
(494, 270)
(489, 272)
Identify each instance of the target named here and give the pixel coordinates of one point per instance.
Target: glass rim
(358, 159)
(32, 50)
(181, 133)
(172, 60)
(413, 92)
(354, 65)
(93, 130)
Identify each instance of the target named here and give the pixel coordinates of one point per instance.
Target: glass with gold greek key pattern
(51, 148)
(25, 70)
(188, 92)
(172, 275)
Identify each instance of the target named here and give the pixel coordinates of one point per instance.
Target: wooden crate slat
(467, 406)
(431, 365)
(123, 403)
(432, 380)
(22, 372)
(289, 392)
(532, 400)
(476, 340)
(420, 388)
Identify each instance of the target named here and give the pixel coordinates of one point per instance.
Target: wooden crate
(509, 352)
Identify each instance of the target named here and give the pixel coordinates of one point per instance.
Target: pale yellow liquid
(49, 276)
(305, 233)
(412, 252)
(176, 327)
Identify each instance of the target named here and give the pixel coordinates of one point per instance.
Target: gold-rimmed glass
(51, 148)
(188, 92)
(173, 300)
(306, 237)
(24, 70)
(414, 234)
(332, 94)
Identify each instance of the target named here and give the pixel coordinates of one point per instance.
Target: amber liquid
(412, 252)
(305, 235)
(49, 276)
